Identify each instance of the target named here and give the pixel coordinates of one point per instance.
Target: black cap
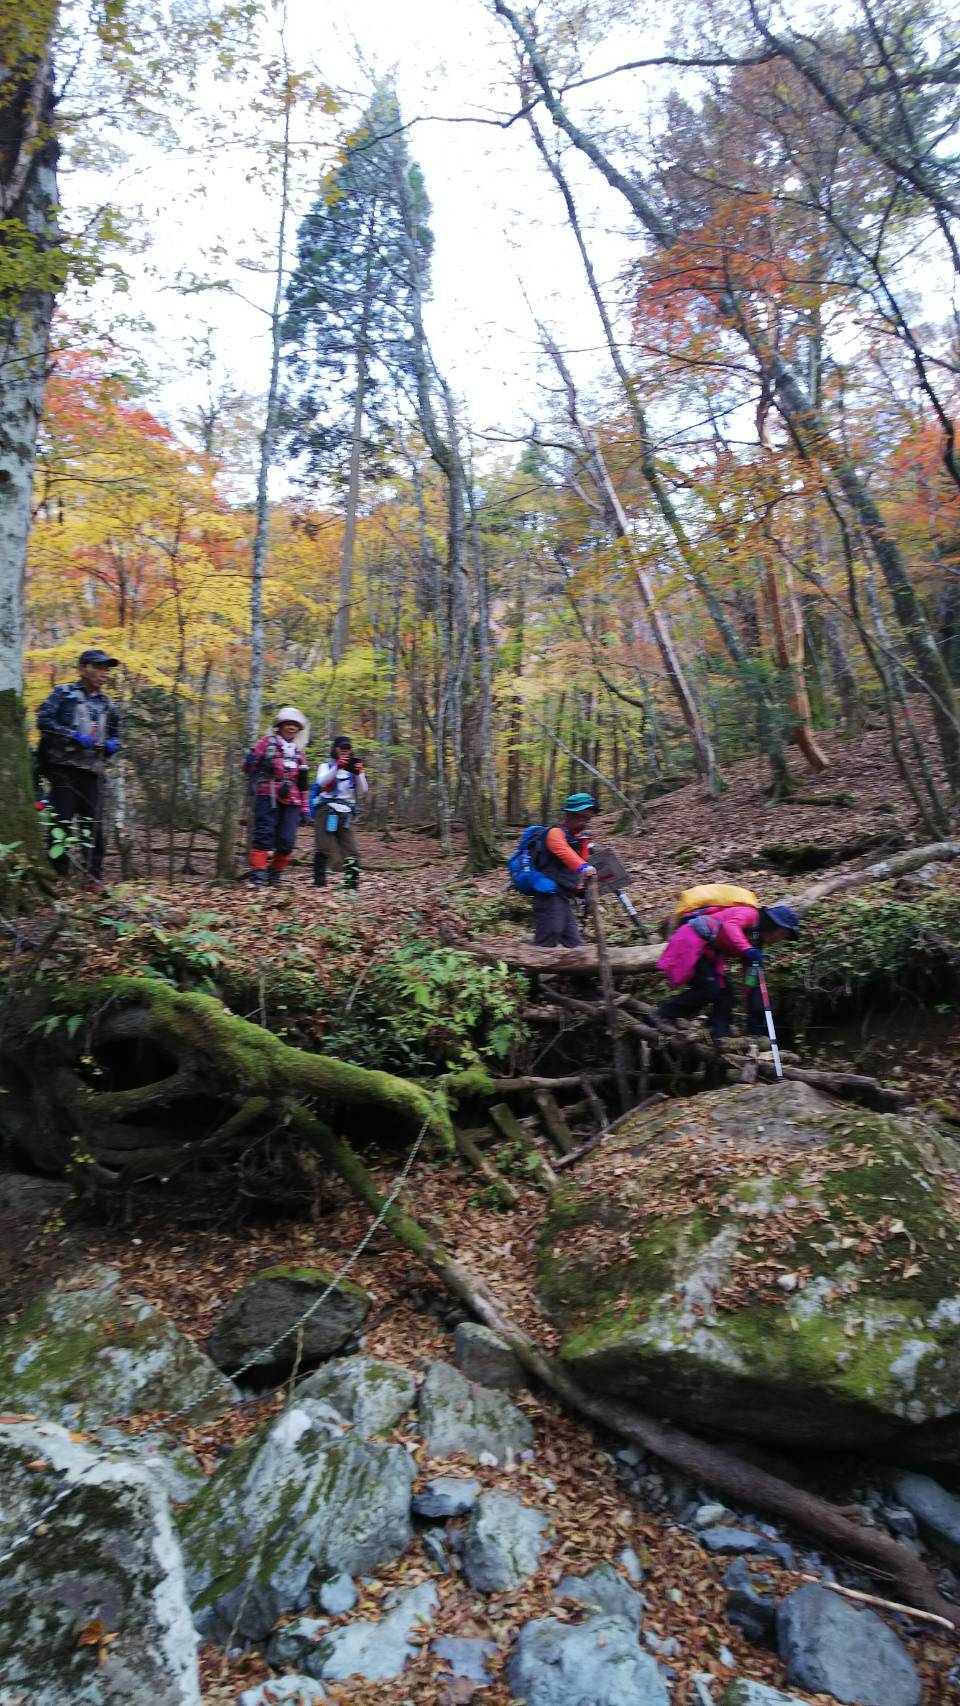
(95, 655)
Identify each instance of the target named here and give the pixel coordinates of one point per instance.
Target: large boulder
(596, 1663)
(93, 1608)
(830, 1647)
(301, 1500)
(457, 1416)
(371, 1394)
(264, 1312)
(766, 1255)
(90, 1350)
(377, 1649)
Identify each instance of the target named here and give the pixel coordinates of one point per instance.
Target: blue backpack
(524, 875)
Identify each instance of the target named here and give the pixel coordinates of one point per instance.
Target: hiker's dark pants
(76, 794)
(274, 827)
(338, 845)
(554, 922)
(706, 990)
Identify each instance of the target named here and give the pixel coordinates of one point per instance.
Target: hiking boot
(258, 879)
(319, 870)
(273, 878)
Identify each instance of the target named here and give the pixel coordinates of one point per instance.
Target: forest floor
(188, 1264)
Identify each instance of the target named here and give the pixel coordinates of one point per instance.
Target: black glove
(303, 778)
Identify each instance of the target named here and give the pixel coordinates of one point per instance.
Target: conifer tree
(348, 315)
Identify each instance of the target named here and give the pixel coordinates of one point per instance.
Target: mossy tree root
(705, 1463)
(240, 1072)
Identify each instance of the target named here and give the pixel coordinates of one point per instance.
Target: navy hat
(95, 655)
(575, 803)
(782, 917)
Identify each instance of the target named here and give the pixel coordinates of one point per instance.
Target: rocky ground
(539, 1498)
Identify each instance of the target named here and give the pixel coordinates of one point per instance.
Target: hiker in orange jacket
(564, 855)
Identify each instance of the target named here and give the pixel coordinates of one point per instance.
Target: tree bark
(797, 406)
(29, 152)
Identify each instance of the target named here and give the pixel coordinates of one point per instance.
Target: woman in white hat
(277, 767)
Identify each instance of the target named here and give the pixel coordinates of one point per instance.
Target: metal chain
(259, 1356)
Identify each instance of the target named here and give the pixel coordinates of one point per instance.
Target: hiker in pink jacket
(697, 955)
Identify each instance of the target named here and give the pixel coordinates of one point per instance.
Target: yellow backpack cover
(713, 894)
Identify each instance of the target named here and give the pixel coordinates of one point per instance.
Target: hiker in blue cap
(563, 856)
(700, 948)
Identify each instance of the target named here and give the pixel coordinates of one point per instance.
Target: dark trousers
(274, 826)
(77, 795)
(705, 989)
(554, 922)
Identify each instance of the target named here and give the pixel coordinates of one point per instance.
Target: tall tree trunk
(659, 625)
(341, 621)
(797, 406)
(268, 439)
(28, 199)
(516, 791)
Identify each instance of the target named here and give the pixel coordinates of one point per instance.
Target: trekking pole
(768, 1015)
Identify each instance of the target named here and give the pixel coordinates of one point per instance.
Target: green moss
(318, 1277)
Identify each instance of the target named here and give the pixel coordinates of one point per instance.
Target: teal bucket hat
(579, 803)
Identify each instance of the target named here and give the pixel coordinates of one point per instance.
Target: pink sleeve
(735, 921)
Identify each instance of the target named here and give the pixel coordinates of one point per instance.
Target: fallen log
(704, 1463)
(583, 962)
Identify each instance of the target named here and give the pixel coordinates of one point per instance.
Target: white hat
(290, 714)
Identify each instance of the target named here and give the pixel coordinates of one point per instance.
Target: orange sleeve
(559, 846)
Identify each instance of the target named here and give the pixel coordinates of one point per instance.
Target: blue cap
(782, 917)
(579, 803)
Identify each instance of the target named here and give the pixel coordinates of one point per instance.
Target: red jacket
(266, 763)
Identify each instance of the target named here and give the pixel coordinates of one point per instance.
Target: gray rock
(483, 1357)
(596, 1663)
(90, 1350)
(741, 1540)
(303, 1497)
(446, 1496)
(292, 1642)
(372, 1395)
(465, 1657)
(756, 1694)
(828, 1647)
(337, 1595)
(709, 1516)
(604, 1590)
(631, 1563)
(175, 1469)
(109, 1554)
(378, 1650)
(503, 1543)
(900, 1521)
(937, 1512)
(288, 1690)
(26, 1193)
(754, 1614)
(270, 1303)
(436, 1551)
(456, 1416)
(665, 1646)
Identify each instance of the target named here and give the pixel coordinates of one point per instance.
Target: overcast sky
(500, 236)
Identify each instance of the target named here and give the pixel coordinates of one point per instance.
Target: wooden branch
(936, 852)
(884, 1604)
(467, 1145)
(609, 997)
(554, 1121)
(581, 962)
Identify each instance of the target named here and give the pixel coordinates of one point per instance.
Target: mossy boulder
(267, 1310)
(93, 1609)
(457, 1416)
(301, 1500)
(764, 1260)
(90, 1350)
(371, 1394)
